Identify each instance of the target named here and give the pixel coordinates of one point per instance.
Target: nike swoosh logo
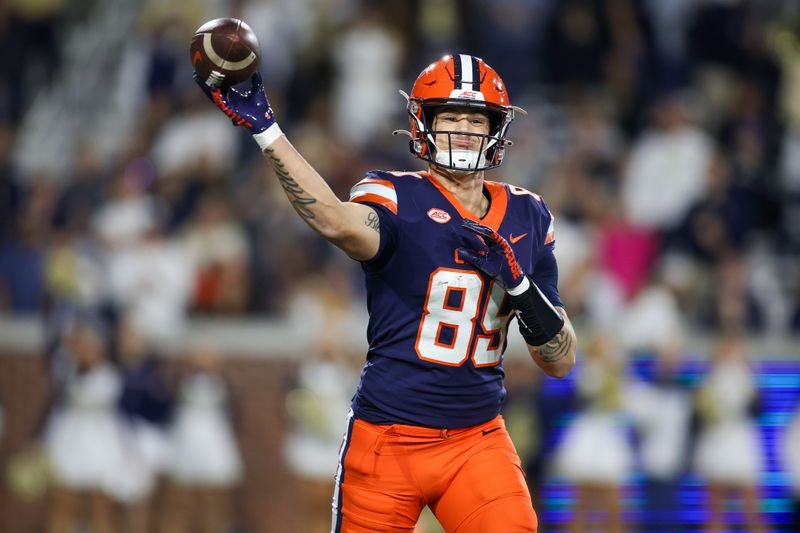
(515, 240)
(487, 431)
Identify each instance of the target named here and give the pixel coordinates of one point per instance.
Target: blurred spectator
(623, 256)
(84, 191)
(595, 454)
(367, 57)
(751, 130)
(785, 44)
(660, 406)
(579, 278)
(284, 27)
(437, 27)
(10, 190)
(733, 35)
(218, 248)
(164, 28)
(652, 320)
(666, 173)
(74, 274)
(145, 405)
(74, 271)
(317, 409)
(625, 252)
(204, 466)
(195, 140)
(734, 306)
(153, 283)
(318, 402)
(790, 454)
(666, 25)
(577, 42)
(720, 223)
(588, 171)
(83, 437)
(21, 266)
(789, 216)
(130, 212)
(150, 274)
(29, 35)
(728, 455)
(512, 35)
(22, 254)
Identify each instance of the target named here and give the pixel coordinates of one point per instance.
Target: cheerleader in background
(321, 391)
(595, 453)
(204, 465)
(324, 384)
(729, 454)
(660, 407)
(145, 406)
(83, 438)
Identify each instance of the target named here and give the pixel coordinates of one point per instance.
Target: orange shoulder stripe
(363, 197)
(375, 181)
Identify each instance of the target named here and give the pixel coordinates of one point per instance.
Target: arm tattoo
(373, 221)
(297, 195)
(556, 348)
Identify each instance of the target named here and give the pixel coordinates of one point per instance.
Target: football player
(449, 258)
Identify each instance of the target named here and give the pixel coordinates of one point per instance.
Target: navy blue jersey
(437, 326)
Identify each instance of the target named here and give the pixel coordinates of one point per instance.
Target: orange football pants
(471, 478)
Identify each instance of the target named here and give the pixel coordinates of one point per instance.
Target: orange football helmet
(461, 81)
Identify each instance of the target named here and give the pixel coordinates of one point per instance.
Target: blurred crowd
(664, 136)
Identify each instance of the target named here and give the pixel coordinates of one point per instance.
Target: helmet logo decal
(439, 215)
(466, 95)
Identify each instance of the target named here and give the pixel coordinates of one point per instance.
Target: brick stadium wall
(268, 500)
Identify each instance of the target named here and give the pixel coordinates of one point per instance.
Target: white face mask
(461, 159)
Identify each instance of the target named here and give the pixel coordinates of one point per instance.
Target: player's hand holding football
(538, 320)
(248, 108)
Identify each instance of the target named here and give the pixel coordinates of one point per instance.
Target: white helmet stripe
(467, 74)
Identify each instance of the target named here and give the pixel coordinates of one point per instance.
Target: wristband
(538, 319)
(268, 136)
(523, 286)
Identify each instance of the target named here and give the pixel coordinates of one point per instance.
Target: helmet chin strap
(460, 159)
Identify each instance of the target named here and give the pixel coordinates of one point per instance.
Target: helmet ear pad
(418, 143)
(419, 148)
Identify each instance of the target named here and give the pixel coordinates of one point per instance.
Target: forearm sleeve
(537, 318)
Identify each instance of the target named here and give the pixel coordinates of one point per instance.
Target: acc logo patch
(439, 215)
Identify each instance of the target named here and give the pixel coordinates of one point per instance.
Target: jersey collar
(497, 208)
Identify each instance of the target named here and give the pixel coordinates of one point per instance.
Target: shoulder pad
(377, 187)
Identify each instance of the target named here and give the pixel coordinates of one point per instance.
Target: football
(224, 52)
